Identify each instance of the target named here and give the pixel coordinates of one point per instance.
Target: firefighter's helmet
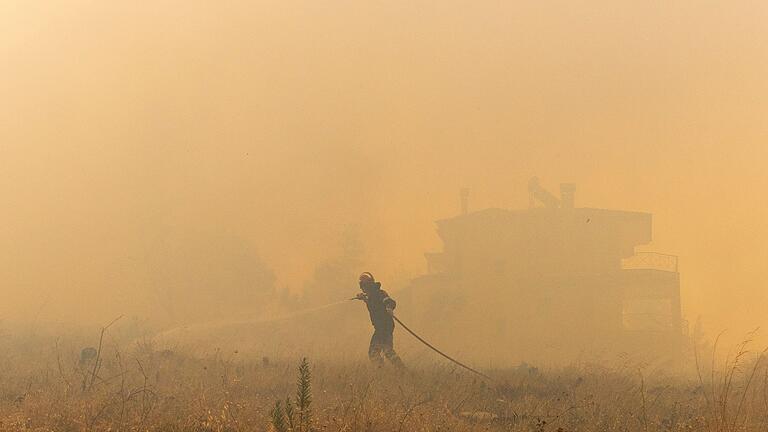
(366, 278)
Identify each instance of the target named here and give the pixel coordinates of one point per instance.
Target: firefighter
(380, 307)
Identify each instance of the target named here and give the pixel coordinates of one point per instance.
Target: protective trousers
(382, 342)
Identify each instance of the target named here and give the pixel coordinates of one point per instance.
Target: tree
(334, 279)
(208, 275)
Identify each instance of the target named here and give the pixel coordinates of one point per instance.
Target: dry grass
(145, 388)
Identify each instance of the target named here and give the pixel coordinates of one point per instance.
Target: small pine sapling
(304, 396)
(278, 418)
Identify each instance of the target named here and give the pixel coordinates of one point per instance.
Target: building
(551, 280)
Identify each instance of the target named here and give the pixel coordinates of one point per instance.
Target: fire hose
(433, 348)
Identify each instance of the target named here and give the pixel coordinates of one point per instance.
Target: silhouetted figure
(87, 354)
(380, 307)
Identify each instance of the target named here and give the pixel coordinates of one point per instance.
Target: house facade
(550, 280)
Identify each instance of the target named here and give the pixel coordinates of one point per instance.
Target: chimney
(464, 201)
(567, 195)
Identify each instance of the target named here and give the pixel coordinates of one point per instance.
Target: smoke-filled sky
(124, 125)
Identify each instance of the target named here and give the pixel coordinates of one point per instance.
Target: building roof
(627, 227)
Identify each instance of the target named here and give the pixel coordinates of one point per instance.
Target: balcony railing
(650, 261)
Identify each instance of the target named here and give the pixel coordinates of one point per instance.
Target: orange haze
(278, 124)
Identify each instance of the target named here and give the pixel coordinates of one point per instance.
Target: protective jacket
(377, 300)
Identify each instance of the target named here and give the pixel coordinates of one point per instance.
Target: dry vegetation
(44, 387)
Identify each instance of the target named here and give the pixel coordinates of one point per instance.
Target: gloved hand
(360, 296)
(390, 312)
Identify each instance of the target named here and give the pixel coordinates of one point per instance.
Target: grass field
(139, 386)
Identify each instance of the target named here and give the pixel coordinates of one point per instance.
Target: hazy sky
(281, 122)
